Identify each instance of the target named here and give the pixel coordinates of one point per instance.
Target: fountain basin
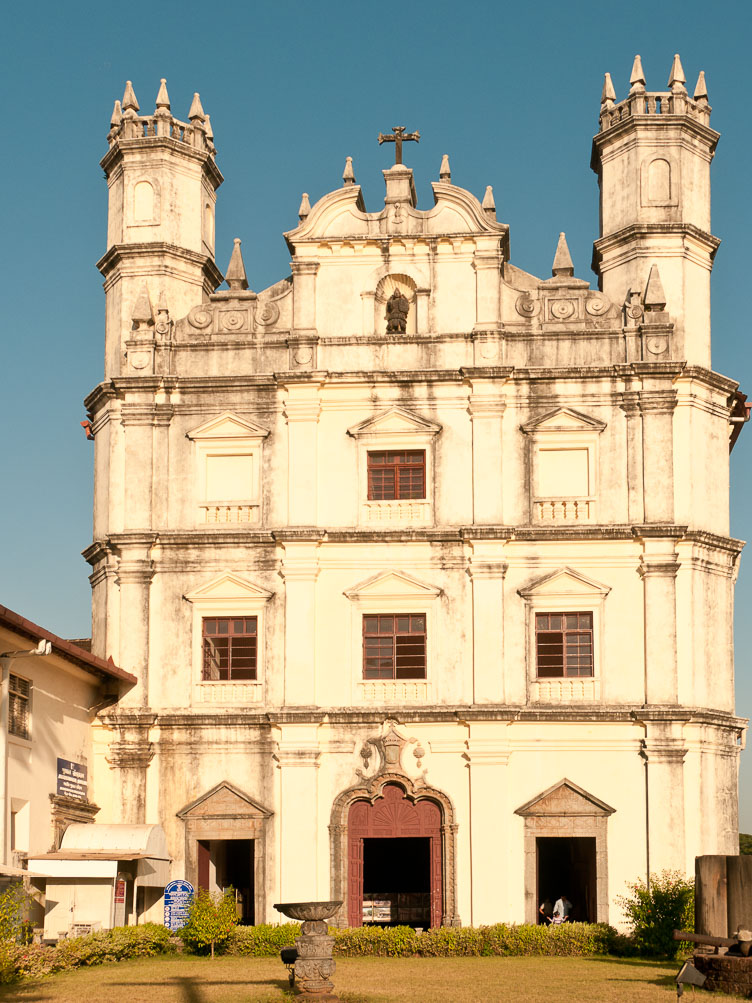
(308, 911)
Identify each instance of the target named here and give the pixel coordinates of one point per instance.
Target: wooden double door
(394, 848)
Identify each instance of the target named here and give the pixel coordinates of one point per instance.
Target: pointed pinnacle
(562, 259)
(305, 207)
(142, 311)
(701, 90)
(655, 297)
(129, 98)
(235, 277)
(196, 112)
(637, 77)
(348, 175)
(608, 93)
(445, 171)
(163, 99)
(488, 205)
(676, 78)
(117, 116)
(208, 129)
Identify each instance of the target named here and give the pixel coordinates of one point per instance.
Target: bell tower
(652, 156)
(162, 180)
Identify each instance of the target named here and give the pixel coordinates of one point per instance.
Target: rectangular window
(394, 647)
(395, 474)
(230, 648)
(19, 693)
(564, 644)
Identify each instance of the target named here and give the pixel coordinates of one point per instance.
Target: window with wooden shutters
(19, 695)
(394, 647)
(564, 645)
(230, 648)
(396, 474)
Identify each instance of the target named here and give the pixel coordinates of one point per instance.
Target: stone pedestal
(315, 965)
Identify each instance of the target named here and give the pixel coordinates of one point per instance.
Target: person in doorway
(545, 911)
(562, 910)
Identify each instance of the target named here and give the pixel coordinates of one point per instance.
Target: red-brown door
(392, 816)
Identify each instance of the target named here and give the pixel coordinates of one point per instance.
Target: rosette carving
(267, 314)
(234, 320)
(526, 306)
(199, 317)
(562, 309)
(596, 306)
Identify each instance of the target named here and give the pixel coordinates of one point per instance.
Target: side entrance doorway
(229, 863)
(566, 866)
(394, 861)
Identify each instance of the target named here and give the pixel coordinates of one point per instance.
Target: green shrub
(655, 912)
(745, 842)
(211, 920)
(568, 939)
(14, 907)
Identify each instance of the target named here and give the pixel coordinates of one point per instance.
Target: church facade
(422, 562)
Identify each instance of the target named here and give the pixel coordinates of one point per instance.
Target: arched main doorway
(394, 860)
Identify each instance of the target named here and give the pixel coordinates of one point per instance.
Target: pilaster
(663, 750)
(130, 754)
(657, 401)
(134, 574)
(299, 570)
(297, 758)
(487, 264)
(486, 406)
(304, 296)
(302, 406)
(658, 568)
(486, 570)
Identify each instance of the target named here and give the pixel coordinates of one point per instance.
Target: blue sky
(510, 91)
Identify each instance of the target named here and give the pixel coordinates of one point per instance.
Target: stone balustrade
(654, 103)
(564, 509)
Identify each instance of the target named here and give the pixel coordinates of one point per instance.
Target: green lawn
(365, 980)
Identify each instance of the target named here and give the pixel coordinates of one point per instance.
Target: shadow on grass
(190, 988)
(669, 979)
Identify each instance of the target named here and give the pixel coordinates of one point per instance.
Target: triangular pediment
(565, 798)
(392, 585)
(224, 801)
(229, 426)
(228, 586)
(395, 421)
(563, 419)
(564, 582)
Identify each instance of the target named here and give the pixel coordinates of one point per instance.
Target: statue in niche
(397, 308)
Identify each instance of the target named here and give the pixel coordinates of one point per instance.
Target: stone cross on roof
(399, 137)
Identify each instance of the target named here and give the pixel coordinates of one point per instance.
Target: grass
(364, 980)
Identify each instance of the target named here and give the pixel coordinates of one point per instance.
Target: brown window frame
(564, 650)
(409, 462)
(217, 660)
(19, 700)
(388, 655)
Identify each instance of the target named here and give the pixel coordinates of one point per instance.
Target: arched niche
(386, 287)
(393, 804)
(659, 182)
(145, 202)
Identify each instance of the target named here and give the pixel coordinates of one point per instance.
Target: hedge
(568, 939)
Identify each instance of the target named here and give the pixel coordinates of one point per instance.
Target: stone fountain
(314, 965)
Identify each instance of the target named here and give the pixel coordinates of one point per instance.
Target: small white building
(103, 876)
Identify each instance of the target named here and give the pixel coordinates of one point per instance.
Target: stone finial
(117, 116)
(655, 297)
(488, 204)
(348, 175)
(562, 259)
(196, 112)
(163, 98)
(445, 171)
(676, 78)
(129, 98)
(142, 315)
(305, 207)
(608, 94)
(701, 90)
(637, 77)
(236, 277)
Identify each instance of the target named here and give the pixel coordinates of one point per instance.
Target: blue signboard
(71, 780)
(177, 898)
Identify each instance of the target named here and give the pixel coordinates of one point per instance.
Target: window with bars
(394, 647)
(396, 473)
(564, 645)
(230, 648)
(19, 697)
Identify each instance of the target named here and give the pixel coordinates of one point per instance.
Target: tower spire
(236, 277)
(655, 297)
(445, 171)
(608, 94)
(562, 259)
(348, 175)
(305, 207)
(117, 116)
(489, 205)
(701, 90)
(163, 99)
(637, 77)
(142, 315)
(129, 98)
(196, 112)
(676, 78)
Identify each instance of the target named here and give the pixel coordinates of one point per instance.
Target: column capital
(657, 401)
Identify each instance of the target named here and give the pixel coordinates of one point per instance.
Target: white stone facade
(576, 449)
